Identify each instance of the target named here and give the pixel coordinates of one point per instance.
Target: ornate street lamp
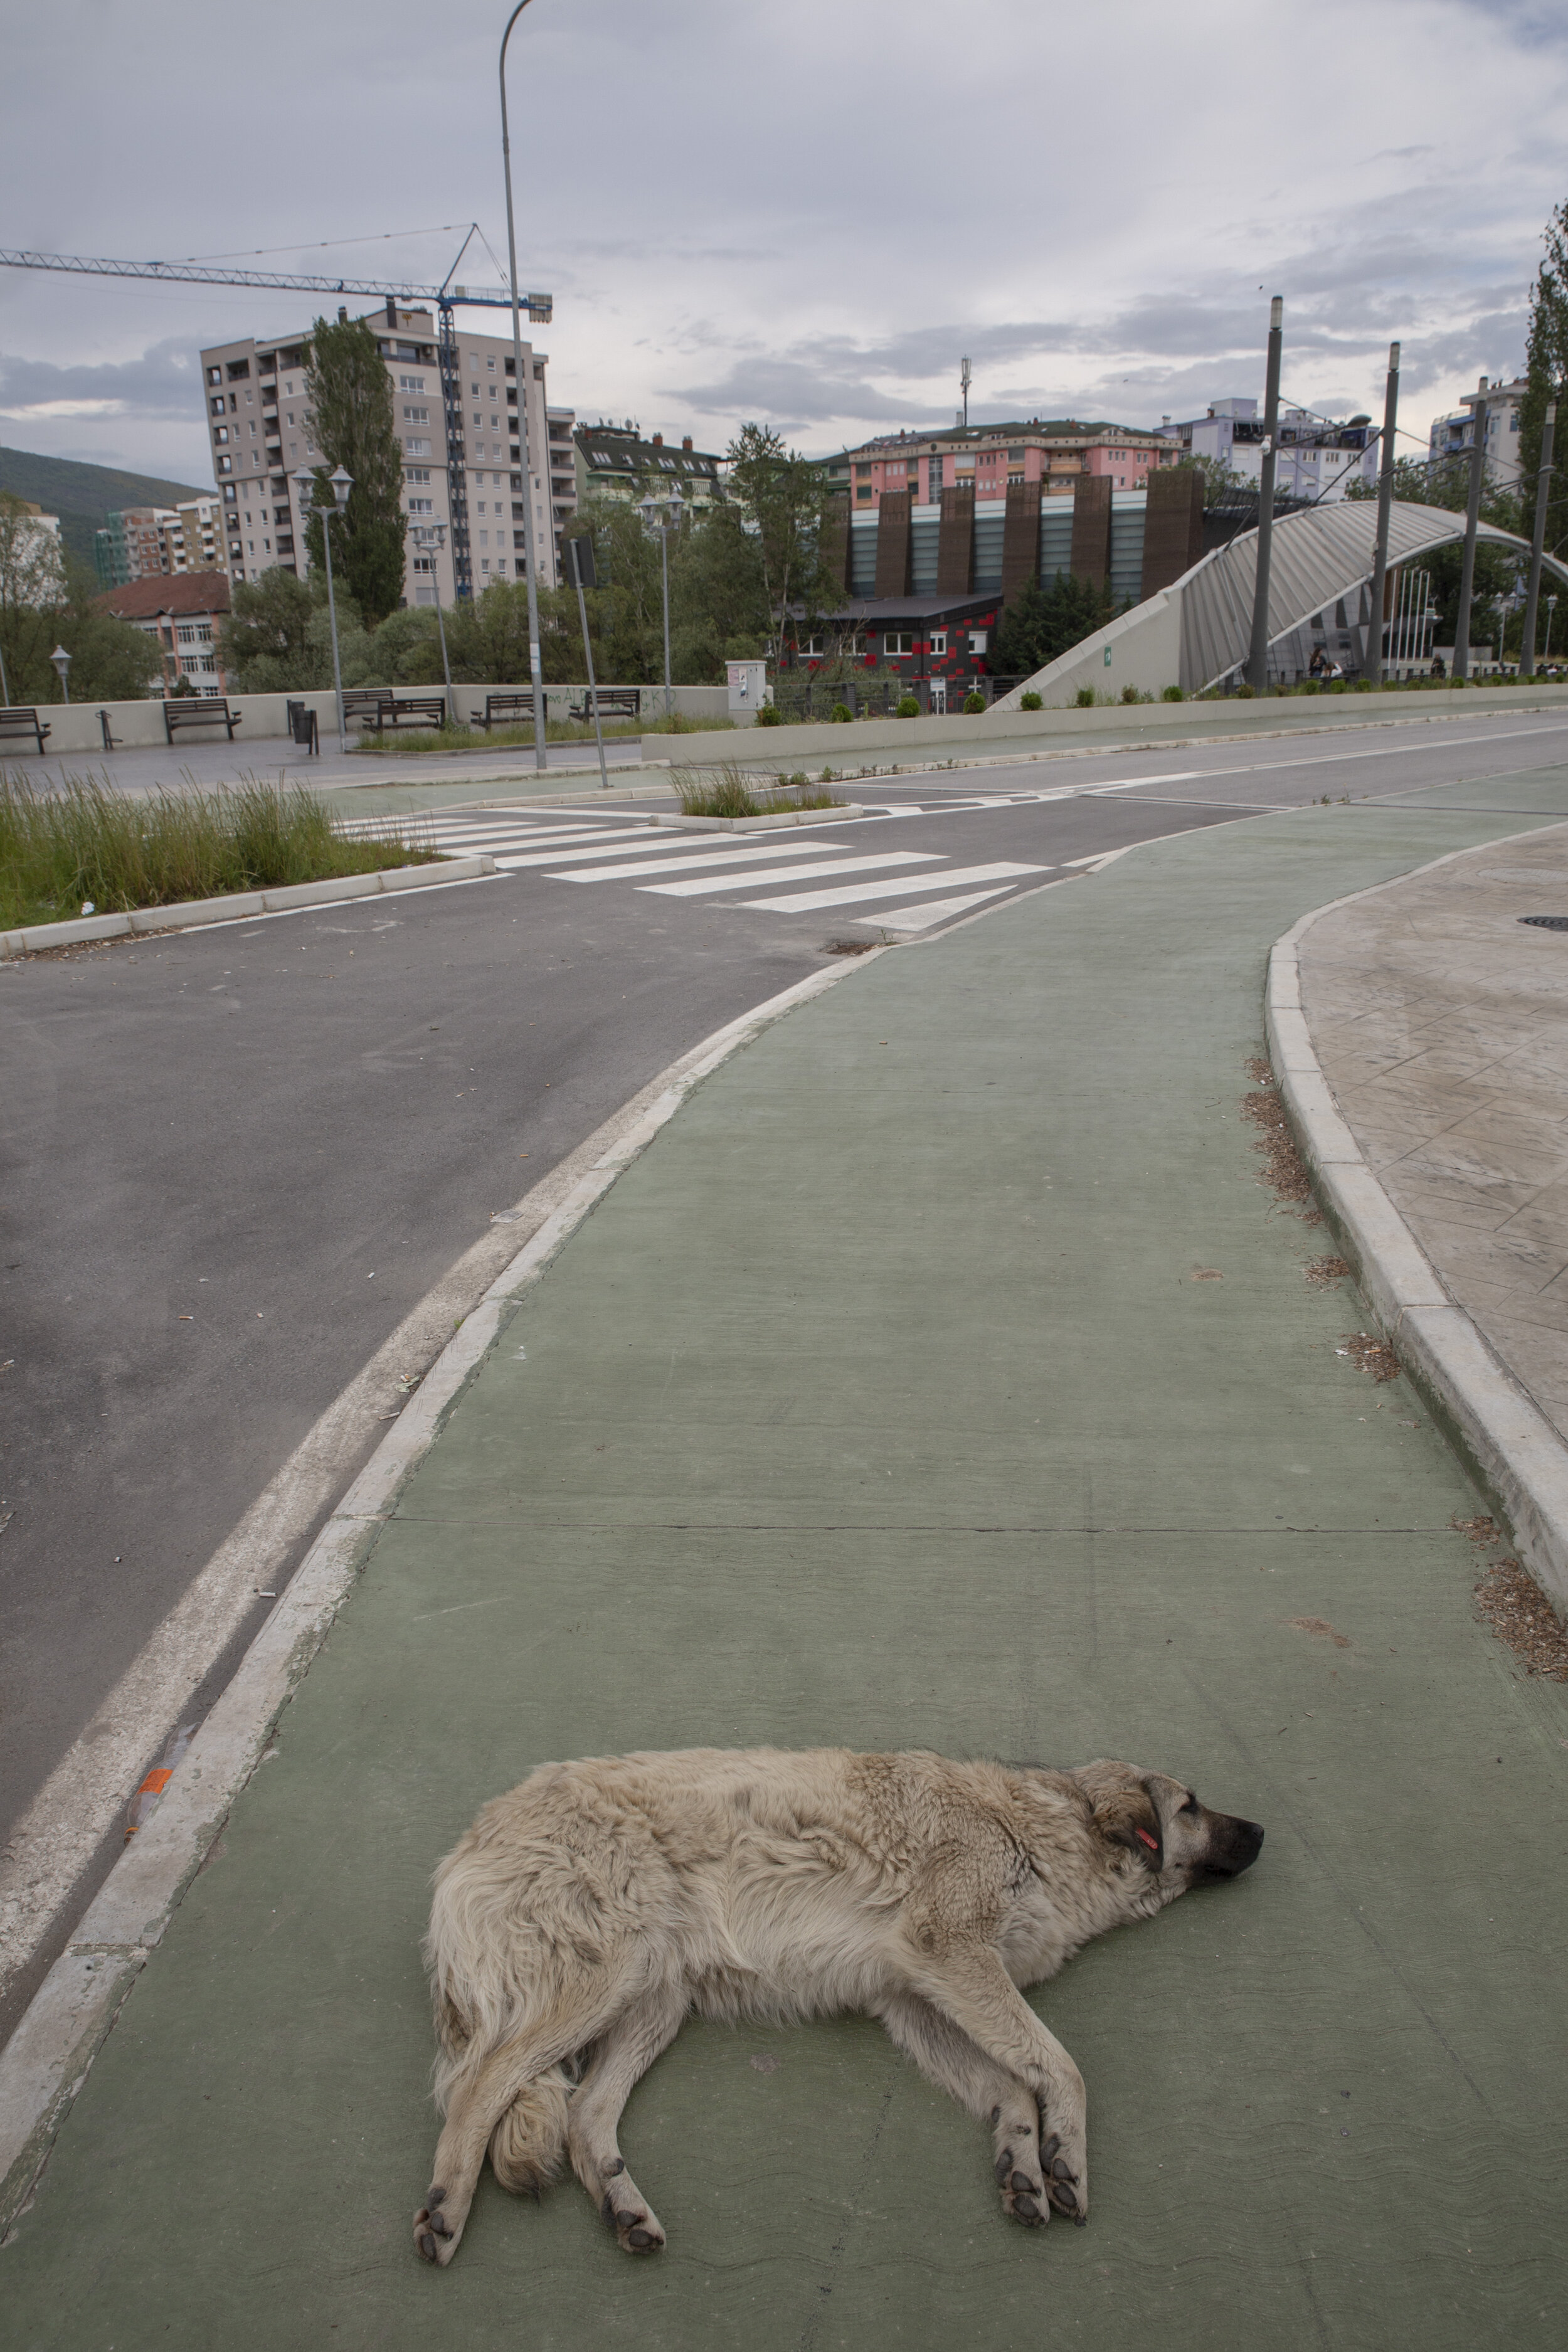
(663, 515)
(342, 484)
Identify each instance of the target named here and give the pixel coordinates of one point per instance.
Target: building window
(226, 465)
(421, 506)
(491, 366)
(865, 492)
(417, 448)
(978, 640)
(215, 376)
(484, 564)
(937, 642)
(416, 416)
(220, 433)
(897, 643)
(417, 473)
(410, 383)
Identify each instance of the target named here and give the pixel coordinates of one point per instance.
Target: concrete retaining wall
(75, 728)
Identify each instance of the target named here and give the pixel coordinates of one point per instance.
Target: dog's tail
(529, 2144)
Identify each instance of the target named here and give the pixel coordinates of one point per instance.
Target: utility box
(748, 688)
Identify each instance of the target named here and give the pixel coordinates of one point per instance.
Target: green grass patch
(87, 846)
(732, 792)
(556, 731)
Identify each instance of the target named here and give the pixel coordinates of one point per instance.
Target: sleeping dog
(585, 1913)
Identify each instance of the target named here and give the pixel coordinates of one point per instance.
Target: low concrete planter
(783, 819)
(241, 906)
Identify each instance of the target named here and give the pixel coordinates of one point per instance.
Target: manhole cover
(1547, 923)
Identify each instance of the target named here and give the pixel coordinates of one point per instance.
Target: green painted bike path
(877, 1404)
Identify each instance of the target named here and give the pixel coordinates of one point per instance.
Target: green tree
(47, 601)
(351, 400)
(278, 638)
(783, 497)
(111, 660)
(1546, 371)
(1219, 479)
(1039, 623)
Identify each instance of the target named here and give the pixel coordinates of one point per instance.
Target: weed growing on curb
(732, 792)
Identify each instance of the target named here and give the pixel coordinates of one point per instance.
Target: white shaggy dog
(583, 1914)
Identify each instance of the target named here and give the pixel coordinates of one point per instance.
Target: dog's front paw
(1023, 2195)
(1064, 2186)
(435, 2239)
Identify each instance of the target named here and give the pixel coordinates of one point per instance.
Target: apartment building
(1454, 436)
(1317, 459)
(614, 461)
(986, 458)
(461, 453)
(142, 541)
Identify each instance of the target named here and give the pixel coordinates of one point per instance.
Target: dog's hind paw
(1062, 2184)
(435, 2240)
(1023, 2199)
(636, 2225)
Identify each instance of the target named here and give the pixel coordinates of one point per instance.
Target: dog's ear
(1128, 1817)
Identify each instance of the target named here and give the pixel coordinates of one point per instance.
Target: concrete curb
(242, 906)
(48, 2057)
(1514, 1453)
(782, 822)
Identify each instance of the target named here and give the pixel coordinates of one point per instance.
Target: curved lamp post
(342, 484)
(663, 515)
(535, 668)
(432, 537)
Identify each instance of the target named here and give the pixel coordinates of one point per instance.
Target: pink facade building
(985, 458)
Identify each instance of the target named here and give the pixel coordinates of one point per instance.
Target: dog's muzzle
(1233, 1845)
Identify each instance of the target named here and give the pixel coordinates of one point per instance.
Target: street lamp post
(62, 662)
(1257, 654)
(342, 484)
(663, 515)
(1551, 609)
(1476, 401)
(1371, 667)
(432, 537)
(535, 666)
(1537, 544)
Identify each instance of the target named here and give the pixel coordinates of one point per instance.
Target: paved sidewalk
(880, 1403)
(1440, 1019)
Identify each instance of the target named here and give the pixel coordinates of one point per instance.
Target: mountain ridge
(83, 495)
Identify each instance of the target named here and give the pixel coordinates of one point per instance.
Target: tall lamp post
(1371, 667)
(1257, 655)
(342, 484)
(62, 662)
(1476, 401)
(663, 515)
(432, 537)
(535, 666)
(1538, 542)
(1551, 610)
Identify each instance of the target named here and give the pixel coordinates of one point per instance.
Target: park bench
(362, 704)
(200, 711)
(506, 710)
(615, 702)
(413, 710)
(22, 720)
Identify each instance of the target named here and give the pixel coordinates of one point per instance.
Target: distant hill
(83, 496)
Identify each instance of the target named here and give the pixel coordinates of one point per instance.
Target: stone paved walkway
(1441, 1023)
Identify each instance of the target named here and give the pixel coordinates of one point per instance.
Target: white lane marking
(1131, 783)
(934, 910)
(788, 872)
(616, 845)
(643, 844)
(692, 859)
(803, 902)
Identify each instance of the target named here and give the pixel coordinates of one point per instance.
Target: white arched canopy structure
(1198, 631)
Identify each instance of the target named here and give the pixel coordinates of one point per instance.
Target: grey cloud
(164, 382)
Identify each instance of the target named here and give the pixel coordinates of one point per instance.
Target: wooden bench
(615, 702)
(22, 720)
(199, 710)
(362, 704)
(413, 710)
(507, 710)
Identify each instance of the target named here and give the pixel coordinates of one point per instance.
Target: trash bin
(302, 725)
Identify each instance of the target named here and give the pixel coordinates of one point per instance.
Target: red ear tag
(1152, 1844)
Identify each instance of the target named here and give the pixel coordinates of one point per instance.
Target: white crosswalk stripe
(605, 846)
(804, 902)
(785, 873)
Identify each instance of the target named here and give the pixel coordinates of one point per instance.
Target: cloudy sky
(805, 215)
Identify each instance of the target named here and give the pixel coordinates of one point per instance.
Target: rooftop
(175, 593)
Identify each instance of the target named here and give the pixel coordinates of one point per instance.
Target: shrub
(908, 707)
(973, 702)
(1244, 693)
(842, 716)
(59, 849)
(1031, 701)
(1173, 694)
(1084, 697)
(768, 716)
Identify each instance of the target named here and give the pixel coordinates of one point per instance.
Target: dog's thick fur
(583, 1914)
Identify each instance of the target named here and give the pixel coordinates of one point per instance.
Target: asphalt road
(232, 1161)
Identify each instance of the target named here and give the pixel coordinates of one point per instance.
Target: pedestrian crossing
(604, 850)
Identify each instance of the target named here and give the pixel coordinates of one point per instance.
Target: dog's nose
(1248, 1843)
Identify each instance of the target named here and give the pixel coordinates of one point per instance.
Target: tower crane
(537, 308)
